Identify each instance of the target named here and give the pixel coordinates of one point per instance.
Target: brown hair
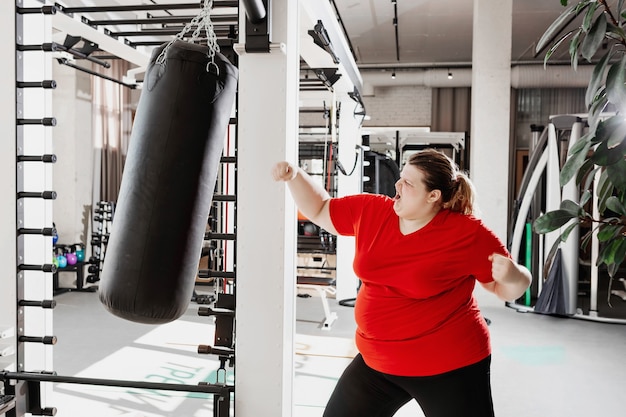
(441, 173)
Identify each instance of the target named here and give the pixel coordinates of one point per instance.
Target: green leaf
(616, 138)
(611, 130)
(613, 249)
(574, 163)
(586, 239)
(616, 173)
(589, 165)
(615, 32)
(554, 28)
(615, 88)
(608, 231)
(620, 251)
(612, 269)
(598, 105)
(588, 19)
(573, 50)
(552, 221)
(568, 230)
(606, 127)
(584, 199)
(605, 156)
(579, 145)
(605, 190)
(613, 204)
(582, 5)
(572, 208)
(554, 48)
(594, 38)
(597, 76)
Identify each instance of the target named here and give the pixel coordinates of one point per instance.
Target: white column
(266, 222)
(491, 91)
(349, 136)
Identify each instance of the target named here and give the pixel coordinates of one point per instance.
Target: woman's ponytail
(462, 198)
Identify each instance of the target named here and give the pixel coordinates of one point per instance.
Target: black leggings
(364, 392)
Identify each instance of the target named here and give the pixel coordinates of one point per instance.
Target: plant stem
(608, 11)
(613, 222)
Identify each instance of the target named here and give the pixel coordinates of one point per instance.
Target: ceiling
(431, 33)
(435, 33)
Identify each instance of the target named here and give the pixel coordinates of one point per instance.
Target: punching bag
(151, 260)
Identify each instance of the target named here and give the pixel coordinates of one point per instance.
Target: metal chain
(201, 22)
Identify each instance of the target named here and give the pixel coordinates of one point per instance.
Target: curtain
(451, 109)
(112, 122)
(535, 106)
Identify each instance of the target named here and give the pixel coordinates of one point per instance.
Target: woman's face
(413, 201)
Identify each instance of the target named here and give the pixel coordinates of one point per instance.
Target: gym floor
(542, 365)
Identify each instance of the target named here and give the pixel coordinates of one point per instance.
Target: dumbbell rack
(78, 268)
(102, 221)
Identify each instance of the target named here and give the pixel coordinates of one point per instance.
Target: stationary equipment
(567, 283)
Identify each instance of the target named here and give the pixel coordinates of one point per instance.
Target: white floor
(542, 365)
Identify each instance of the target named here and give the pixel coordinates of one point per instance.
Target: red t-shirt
(415, 310)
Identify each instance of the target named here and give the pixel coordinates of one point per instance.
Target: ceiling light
(450, 76)
(393, 75)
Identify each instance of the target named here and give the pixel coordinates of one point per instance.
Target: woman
(420, 333)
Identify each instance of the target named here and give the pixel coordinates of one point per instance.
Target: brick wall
(399, 106)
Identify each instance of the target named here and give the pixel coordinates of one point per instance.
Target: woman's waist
(401, 318)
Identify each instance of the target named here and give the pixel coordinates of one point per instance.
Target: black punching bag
(151, 260)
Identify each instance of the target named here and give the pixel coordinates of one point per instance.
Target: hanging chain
(201, 22)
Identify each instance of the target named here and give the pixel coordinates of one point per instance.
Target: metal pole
(143, 7)
(222, 390)
(255, 10)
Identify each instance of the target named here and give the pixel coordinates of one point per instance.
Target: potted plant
(601, 151)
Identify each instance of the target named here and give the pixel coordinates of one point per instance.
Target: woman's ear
(434, 195)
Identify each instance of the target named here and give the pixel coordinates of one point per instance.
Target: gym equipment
(71, 258)
(380, 175)
(45, 267)
(168, 182)
(47, 158)
(61, 261)
(46, 195)
(59, 256)
(102, 220)
(46, 231)
(43, 303)
(79, 250)
(30, 382)
(46, 121)
(47, 84)
(46, 340)
(559, 287)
